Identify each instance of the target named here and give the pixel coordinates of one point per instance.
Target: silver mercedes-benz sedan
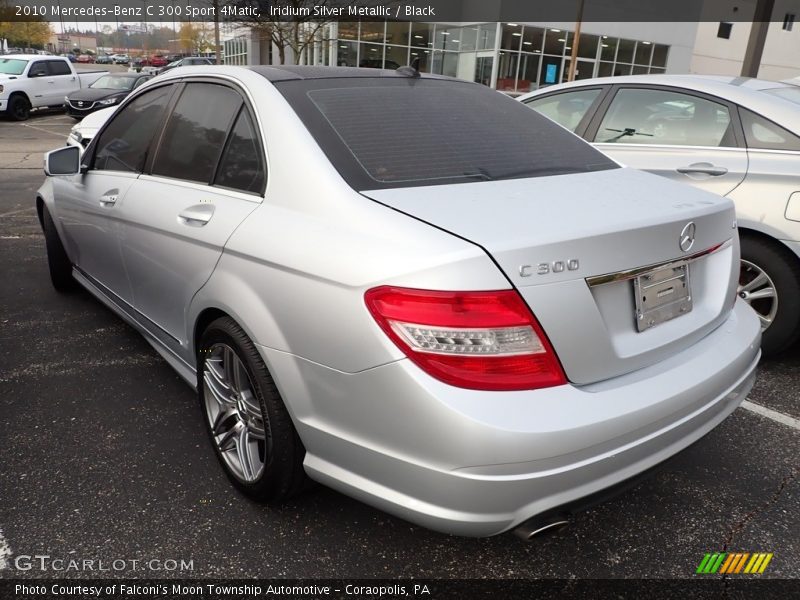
(733, 136)
(409, 288)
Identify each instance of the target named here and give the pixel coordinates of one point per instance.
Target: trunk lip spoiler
(628, 274)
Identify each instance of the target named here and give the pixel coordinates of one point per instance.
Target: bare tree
(297, 31)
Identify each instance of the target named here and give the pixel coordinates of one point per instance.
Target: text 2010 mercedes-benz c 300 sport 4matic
(409, 288)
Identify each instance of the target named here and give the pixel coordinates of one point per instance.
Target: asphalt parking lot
(103, 456)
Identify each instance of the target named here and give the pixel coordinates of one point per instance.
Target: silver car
(409, 288)
(734, 136)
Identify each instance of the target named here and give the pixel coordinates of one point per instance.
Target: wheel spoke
(222, 416)
(219, 391)
(238, 380)
(757, 282)
(228, 440)
(243, 453)
(765, 321)
(767, 292)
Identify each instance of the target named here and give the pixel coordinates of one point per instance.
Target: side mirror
(63, 161)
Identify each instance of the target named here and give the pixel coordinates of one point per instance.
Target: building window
(724, 30)
(788, 22)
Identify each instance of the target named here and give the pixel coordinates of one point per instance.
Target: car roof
(744, 91)
(288, 72)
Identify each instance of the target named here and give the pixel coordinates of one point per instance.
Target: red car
(158, 60)
(85, 58)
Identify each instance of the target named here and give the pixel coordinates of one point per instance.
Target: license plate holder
(662, 294)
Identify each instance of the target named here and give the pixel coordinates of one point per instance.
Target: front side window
(196, 132)
(566, 109)
(645, 116)
(38, 69)
(242, 165)
(123, 145)
(763, 134)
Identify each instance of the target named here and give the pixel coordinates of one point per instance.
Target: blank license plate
(662, 294)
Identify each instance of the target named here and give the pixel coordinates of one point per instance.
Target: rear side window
(196, 131)
(242, 164)
(566, 109)
(398, 132)
(124, 143)
(58, 67)
(764, 134)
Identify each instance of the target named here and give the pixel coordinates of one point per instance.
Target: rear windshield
(111, 82)
(398, 132)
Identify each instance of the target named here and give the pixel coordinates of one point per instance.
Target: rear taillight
(476, 340)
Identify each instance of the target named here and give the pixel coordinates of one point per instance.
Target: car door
(39, 86)
(89, 205)
(62, 81)
(679, 134)
(771, 192)
(205, 177)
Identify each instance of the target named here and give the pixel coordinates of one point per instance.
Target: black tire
(283, 475)
(58, 262)
(783, 268)
(19, 109)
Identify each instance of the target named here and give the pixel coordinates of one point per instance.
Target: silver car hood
(607, 221)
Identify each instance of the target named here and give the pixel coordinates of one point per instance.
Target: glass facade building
(512, 57)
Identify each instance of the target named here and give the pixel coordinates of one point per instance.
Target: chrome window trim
(677, 147)
(629, 274)
(253, 197)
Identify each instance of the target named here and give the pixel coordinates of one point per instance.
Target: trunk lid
(593, 224)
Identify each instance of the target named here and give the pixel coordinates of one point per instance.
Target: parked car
(108, 90)
(104, 59)
(29, 81)
(84, 131)
(189, 61)
(158, 60)
(138, 62)
(69, 57)
(121, 59)
(472, 336)
(85, 58)
(735, 137)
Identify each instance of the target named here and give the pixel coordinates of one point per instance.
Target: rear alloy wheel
(19, 108)
(250, 429)
(769, 281)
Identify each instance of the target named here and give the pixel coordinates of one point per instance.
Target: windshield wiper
(623, 132)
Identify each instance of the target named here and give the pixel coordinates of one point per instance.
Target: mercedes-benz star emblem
(686, 241)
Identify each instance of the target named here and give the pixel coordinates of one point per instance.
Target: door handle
(197, 215)
(703, 168)
(109, 198)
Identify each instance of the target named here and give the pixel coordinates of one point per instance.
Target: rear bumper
(477, 463)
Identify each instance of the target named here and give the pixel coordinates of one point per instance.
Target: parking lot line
(56, 133)
(776, 416)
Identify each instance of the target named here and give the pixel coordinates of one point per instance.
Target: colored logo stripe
(734, 562)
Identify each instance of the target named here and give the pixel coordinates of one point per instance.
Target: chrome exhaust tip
(537, 527)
